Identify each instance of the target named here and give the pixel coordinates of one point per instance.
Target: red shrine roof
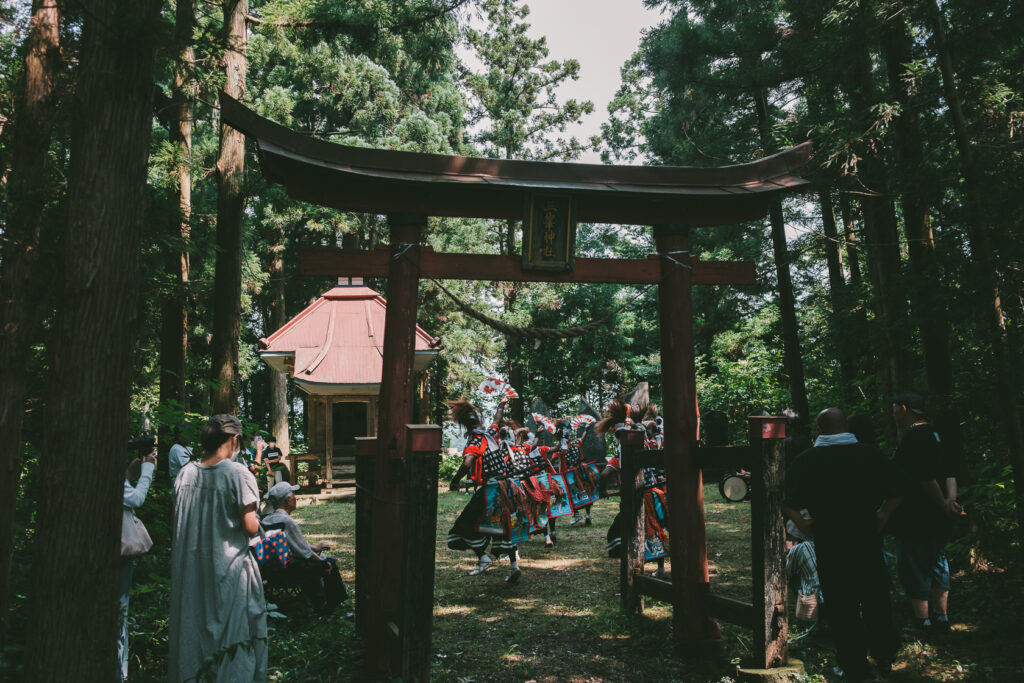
(361, 179)
(336, 345)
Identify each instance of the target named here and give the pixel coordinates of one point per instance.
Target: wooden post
(328, 441)
(396, 390)
(631, 522)
(688, 545)
(768, 542)
(418, 548)
(366, 456)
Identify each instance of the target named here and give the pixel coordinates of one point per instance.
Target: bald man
(842, 484)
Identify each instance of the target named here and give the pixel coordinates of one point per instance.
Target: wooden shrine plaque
(549, 232)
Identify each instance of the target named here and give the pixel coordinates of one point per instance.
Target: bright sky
(601, 35)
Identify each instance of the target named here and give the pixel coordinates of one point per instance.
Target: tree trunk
(926, 289)
(837, 293)
(850, 234)
(513, 344)
(278, 381)
(72, 628)
(174, 324)
(882, 233)
(227, 283)
(787, 301)
(985, 273)
(21, 304)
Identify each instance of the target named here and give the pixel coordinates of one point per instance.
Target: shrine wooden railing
(765, 614)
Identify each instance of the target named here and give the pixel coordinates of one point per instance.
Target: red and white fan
(581, 420)
(544, 421)
(493, 385)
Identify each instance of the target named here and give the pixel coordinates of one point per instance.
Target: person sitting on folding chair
(321, 579)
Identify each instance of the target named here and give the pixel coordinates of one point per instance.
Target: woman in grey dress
(218, 619)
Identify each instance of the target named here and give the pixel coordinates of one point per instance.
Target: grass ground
(562, 621)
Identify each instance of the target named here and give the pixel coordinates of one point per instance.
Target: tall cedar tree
(174, 307)
(720, 54)
(71, 633)
(514, 102)
(985, 273)
(23, 278)
(227, 287)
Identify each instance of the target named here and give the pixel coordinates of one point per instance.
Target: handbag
(272, 546)
(135, 539)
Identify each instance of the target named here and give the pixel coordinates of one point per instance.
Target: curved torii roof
(361, 179)
(336, 344)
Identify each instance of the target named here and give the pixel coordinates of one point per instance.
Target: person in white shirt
(180, 454)
(134, 497)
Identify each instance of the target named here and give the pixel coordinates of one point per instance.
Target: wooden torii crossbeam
(410, 186)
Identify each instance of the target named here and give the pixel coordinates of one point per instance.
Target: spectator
(272, 457)
(321, 580)
(180, 454)
(134, 497)
(216, 589)
(862, 427)
(921, 519)
(797, 439)
(841, 483)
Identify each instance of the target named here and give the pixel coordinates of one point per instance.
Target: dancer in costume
(571, 456)
(484, 459)
(620, 415)
(530, 459)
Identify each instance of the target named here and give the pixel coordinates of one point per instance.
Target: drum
(735, 488)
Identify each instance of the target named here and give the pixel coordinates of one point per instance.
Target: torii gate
(410, 186)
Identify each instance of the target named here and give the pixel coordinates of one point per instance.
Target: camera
(142, 444)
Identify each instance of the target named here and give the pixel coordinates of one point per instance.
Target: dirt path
(562, 621)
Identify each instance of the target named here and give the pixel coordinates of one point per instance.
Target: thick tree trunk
(926, 289)
(985, 273)
(174, 324)
(787, 308)
(72, 629)
(227, 286)
(22, 305)
(883, 269)
(882, 234)
(787, 301)
(276, 319)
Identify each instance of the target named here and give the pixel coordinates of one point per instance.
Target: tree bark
(926, 290)
(837, 293)
(72, 628)
(985, 273)
(513, 344)
(174, 324)
(850, 234)
(276, 319)
(21, 304)
(787, 301)
(882, 232)
(227, 286)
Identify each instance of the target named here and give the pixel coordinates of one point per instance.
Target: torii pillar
(688, 545)
(396, 410)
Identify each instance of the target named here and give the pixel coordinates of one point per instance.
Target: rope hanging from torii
(536, 332)
(539, 332)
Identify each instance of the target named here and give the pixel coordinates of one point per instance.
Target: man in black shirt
(842, 483)
(920, 519)
(272, 456)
